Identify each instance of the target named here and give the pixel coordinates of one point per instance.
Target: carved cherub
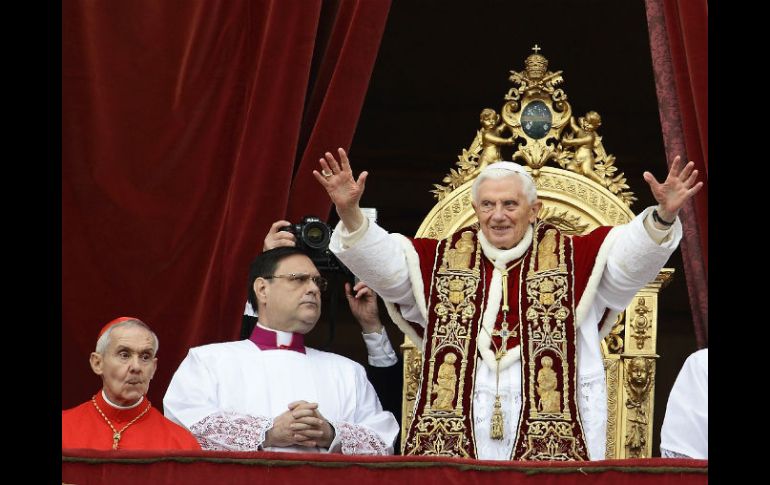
(584, 139)
(491, 137)
(638, 387)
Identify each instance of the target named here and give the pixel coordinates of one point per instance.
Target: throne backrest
(582, 191)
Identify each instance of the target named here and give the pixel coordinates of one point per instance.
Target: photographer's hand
(343, 189)
(363, 306)
(276, 237)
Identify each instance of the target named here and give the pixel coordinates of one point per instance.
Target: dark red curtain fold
(337, 97)
(679, 46)
(180, 131)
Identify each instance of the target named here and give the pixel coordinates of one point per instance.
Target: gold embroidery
(460, 256)
(546, 387)
(446, 384)
(546, 252)
(440, 428)
(547, 288)
(554, 440)
(550, 433)
(456, 291)
(439, 437)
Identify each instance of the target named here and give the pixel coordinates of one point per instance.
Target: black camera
(313, 236)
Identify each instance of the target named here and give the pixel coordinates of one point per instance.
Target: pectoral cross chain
(505, 333)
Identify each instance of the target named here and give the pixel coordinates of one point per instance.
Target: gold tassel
(497, 421)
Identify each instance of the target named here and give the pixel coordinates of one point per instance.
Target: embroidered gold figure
(460, 256)
(119, 434)
(546, 252)
(546, 387)
(447, 384)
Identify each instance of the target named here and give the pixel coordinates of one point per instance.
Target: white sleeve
(634, 260)
(369, 430)
(685, 424)
(379, 348)
(191, 401)
(380, 261)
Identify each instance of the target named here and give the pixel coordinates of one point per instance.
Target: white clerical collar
(104, 395)
(281, 337)
(501, 257)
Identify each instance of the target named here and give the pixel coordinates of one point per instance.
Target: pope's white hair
(501, 170)
(104, 340)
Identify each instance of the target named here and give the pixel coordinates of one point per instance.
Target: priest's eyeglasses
(301, 279)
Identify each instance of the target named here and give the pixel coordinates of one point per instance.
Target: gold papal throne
(581, 188)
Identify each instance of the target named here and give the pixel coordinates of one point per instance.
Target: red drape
(180, 130)
(86, 467)
(679, 44)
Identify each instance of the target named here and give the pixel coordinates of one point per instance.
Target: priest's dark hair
(265, 265)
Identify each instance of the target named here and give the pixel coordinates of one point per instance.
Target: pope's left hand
(676, 189)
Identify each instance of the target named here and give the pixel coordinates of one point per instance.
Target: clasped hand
(300, 425)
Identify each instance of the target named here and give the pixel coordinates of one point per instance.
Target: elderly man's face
(286, 304)
(503, 211)
(127, 366)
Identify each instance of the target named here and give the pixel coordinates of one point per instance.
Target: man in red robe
(121, 416)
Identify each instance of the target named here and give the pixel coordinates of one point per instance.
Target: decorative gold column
(630, 364)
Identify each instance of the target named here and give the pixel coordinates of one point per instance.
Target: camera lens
(316, 235)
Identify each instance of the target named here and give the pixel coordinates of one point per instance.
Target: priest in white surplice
(685, 431)
(470, 300)
(270, 392)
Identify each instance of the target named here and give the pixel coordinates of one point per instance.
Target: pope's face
(290, 305)
(127, 366)
(503, 211)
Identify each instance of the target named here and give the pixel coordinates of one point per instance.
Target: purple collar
(268, 340)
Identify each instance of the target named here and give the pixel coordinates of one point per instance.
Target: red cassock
(84, 427)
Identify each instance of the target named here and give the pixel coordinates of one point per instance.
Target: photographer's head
(285, 287)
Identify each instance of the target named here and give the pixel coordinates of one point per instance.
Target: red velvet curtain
(181, 125)
(679, 45)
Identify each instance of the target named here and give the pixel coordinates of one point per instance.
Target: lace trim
(231, 432)
(664, 453)
(359, 440)
(592, 393)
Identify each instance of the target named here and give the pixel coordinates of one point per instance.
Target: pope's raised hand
(676, 189)
(343, 189)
